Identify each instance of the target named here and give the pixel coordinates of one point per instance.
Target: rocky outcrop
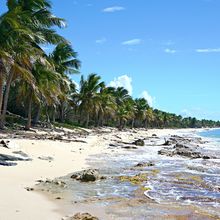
(184, 150)
(90, 175)
(82, 216)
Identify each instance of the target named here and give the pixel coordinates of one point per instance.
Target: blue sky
(165, 50)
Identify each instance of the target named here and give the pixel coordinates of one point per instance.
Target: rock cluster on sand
(89, 175)
(82, 216)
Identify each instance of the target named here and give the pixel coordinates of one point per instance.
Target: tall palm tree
(141, 108)
(65, 62)
(106, 104)
(88, 96)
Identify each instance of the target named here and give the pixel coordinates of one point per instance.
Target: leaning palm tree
(65, 62)
(26, 25)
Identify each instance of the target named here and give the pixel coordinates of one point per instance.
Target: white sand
(18, 203)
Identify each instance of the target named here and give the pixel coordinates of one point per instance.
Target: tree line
(38, 86)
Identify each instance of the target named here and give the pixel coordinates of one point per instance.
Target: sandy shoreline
(18, 203)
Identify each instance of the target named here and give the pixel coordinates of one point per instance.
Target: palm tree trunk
(54, 115)
(87, 120)
(6, 96)
(132, 123)
(62, 112)
(28, 125)
(37, 116)
(1, 84)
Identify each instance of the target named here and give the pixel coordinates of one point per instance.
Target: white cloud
(132, 42)
(168, 50)
(101, 41)
(123, 81)
(113, 9)
(148, 97)
(208, 50)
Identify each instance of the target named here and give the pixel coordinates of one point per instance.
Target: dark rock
(206, 157)
(4, 157)
(4, 143)
(46, 158)
(145, 164)
(139, 142)
(8, 164)
(130, 147)
(89, 175)
(113, 145)
(154, 135)
(168, 143)
(29, 189)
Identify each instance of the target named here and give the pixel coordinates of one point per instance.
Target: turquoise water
(211, 133)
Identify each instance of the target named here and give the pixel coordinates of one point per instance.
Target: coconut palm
(65, 62)
(34, 20)
(106, 104)
(88, 96)
(140, 113)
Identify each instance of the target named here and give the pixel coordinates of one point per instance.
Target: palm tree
(65, 62)
(106, 104)
(29, 22)
(141, 108)
(149, 117)
(88, 96)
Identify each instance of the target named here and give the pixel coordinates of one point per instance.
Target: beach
(51, 159)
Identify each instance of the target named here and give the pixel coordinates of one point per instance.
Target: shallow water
(176, 186)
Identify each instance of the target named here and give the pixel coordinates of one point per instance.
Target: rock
(205, 157)
(4, 143)
(46, 158)
(113, 145)
(154, 135)
(145, 164)
(130, 147)
(89, 175)
(82, 216)
(9, 144)
(168, 143)
(55, 182)
(139, 142)
(184, 150)
(8, 164)
(29, 189)
(166, 152)
(21, 153)
(4, 160)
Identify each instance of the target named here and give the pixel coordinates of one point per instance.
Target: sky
(167, 51)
